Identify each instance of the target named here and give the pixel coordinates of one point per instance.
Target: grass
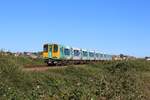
(22, 60)
(116, 80)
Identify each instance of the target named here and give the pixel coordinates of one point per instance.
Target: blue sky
(111, 26)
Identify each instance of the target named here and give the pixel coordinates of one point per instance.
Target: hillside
(122, 80)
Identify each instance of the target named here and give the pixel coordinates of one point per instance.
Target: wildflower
(38, 87)
(9, 88)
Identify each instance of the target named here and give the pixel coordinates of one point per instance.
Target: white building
(147, 58)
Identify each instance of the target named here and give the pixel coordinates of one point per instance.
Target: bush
(116, 80)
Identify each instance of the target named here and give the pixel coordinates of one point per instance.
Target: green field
(117, 80)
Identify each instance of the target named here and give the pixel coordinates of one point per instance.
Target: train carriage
(77, 54)
(100, 56)
(52, 53)
(85, 54)
(97, 56)
(109, 57)
(104, 57)
(66, 53)
(91, 55)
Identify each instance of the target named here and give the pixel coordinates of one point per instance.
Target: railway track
(40, 67)
(46, 67)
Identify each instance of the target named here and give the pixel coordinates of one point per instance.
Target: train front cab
(51, 53)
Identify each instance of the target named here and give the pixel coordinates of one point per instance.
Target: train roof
(76, 48)
(91, 50)
(68, 47)
(50, 43)
(84, 49)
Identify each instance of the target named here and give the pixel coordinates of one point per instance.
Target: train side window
(91, 54)
(97, 55)
(67, 52)
(76, 53)
(104, 56)
(85, 53)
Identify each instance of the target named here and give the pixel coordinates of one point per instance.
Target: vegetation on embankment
(122, 80)
(21, 60)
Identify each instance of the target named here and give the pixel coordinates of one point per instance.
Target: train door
(56, 51)
(61, 52)
(50, 51)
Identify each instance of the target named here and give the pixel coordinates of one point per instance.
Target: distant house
(123, 57)
(18, 54)
(116, 57)
(147, 58)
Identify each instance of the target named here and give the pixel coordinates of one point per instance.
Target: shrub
(116, 80)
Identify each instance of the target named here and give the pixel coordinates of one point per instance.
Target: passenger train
(54, 54)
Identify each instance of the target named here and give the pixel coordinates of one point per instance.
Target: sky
(110, 26)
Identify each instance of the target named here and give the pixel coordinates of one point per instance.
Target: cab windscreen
(45, 49)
